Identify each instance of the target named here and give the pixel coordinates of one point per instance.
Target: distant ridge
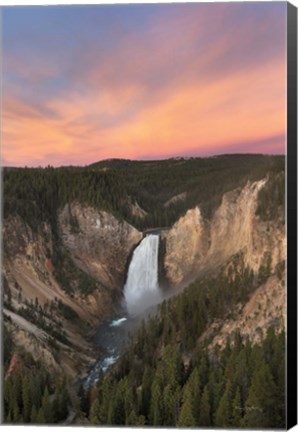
(127, 163)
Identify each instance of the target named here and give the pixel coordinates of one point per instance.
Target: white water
(107, 362)
(141, 289)
(102, 366)
(118, 322)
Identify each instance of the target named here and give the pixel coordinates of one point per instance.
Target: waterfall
(140, 292)
(141, 289)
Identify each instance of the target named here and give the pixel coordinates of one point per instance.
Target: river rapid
(111, 337)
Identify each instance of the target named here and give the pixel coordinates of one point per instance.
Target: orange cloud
(206, 118)
(199, 118)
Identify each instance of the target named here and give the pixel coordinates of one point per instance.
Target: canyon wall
(99, 245)
(194, 246)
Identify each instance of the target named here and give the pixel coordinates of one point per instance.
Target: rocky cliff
(194, 246)
(99, 245)
(236, 238)
(186, 245)
(266, 307)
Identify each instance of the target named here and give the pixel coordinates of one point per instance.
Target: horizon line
(142, 160)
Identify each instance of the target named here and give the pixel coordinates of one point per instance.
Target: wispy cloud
(143, 81)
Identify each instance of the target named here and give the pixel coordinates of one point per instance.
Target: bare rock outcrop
(194, 245)
(266, 307)
(175, 199)
(29, 272)
(99, 243)
(69, 359)
(186, 245)
(137, 211)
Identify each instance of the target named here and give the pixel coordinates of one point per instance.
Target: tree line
(36, 194)
(242, 386)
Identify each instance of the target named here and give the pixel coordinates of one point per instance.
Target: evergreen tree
(170, 368)
(216, 382)
(17, 389)
(134, 420)
(171, 402)
(223, 417)
(16, 413)
(156, 405)
(55, 408)
(35, 390)
(33, 415)
(63, 402)
(242, 371)
(237, 410)
(8, 396)
(204, 417)
(186, 416)
(194, 384)
(131, 419)
(47, 407)
(9, 418)
(41, 418)
(107, 396)
(146, 391)
(260, 407)
(94, 414)
(118, 403)
(129, 400)
(203, 370)
(26, 396)
(84, 400)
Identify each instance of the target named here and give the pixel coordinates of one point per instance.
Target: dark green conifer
(237, 410)
(186, 416)
(33, 415)
(205, 415)
(26, 396)
(223, 417)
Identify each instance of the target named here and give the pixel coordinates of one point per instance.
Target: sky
(147, 81)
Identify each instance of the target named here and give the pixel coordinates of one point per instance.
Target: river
(110, 337)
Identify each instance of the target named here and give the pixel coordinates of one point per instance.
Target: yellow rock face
(194, 245)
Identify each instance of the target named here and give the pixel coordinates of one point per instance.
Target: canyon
(97, 247)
